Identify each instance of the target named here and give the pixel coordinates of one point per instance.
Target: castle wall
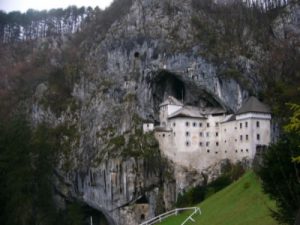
(200, 143)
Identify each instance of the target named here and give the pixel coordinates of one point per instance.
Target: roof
(171, 101)
(162, 129)
(254, 105)
(188, 111)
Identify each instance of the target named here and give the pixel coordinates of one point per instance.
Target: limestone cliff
(151, 52)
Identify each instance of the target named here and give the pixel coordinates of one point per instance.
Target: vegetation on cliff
(28, 158)
(56, 48)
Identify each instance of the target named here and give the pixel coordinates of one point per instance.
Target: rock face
(144, 57)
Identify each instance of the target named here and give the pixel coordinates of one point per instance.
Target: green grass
(241, 203)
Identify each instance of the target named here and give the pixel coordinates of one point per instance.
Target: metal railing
(173, 212)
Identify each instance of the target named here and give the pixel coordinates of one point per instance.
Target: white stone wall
(166, 111)
(148, 127)
(200, 143)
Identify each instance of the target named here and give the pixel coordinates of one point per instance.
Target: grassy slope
(241, 203)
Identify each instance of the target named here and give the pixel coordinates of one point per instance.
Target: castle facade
(200, 137)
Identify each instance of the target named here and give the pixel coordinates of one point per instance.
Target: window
(258, 137)
(247, 150)
(174, 124)
(194, 124)
(187, 133)
(217, 134)
(216, 152)
(200, 124)
(236, 151)
(257, 124)
(200, 144)
(235, 128)
(207, 143)
(241, 125)
(241, 137)
(163, 135)
(217, 124)
(174, 134)
(224, 130)
(217, 143)
(147, 125)
(207, 134)
(207, 124)
(201, 134)
(225, 151)
(246, 124)
(187, 124)
(208, 150)
(242, 150)
(247, 137)
(187, 143)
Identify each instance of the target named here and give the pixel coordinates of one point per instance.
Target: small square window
(207, 124)
(194, 124)
(200, 144)
(247, 137)
(257, 124)
(208, 150)
(217, 143)
(225, 151)
(241, 137)
(187, 143)
(246, 124)
(201, 134)
(207, 134)
(163, 135)
(207, 143)
(258, 137)
(217, 124)
(187, 133)
(236, 151)
(200, 124)
(247, 150)
(242, 150)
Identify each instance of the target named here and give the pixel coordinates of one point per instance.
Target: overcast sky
(23, 5)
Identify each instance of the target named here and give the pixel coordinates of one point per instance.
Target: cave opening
(142, 200)
(167, 84)
(94, 217)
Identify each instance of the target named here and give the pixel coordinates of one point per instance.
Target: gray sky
(23, 5)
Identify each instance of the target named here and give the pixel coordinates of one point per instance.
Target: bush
(231, 172)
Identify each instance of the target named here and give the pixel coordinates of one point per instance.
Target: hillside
(240, 203)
